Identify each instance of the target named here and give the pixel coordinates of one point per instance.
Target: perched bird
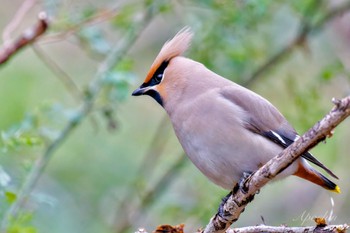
(225, 129)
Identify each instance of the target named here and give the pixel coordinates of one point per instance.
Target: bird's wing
(264, 119)
(284, 141)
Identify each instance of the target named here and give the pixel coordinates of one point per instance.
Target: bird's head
(159, 77)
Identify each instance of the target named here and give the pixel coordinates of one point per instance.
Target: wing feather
(266, 120)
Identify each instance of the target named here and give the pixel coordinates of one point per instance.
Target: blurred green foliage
(111, 174)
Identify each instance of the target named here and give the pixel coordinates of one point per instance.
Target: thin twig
(99, 17)
(16, 20)
(331, 14)
(28, 37)
(239, 200)
(113, 58)
(67, 81)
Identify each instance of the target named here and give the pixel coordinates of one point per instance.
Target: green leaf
(22, 224)
(89, 12)
(327, 75)
(165, 7)
(10, 197)
(30, 140)
(126, 64)
(331, 71)
(125, 17)
(22, 229)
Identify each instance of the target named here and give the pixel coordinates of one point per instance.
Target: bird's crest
(172, 48)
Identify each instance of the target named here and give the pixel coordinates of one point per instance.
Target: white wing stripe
(278, 137)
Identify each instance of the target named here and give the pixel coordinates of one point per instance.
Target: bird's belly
(223, 154)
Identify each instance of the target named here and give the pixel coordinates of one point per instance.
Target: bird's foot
(241, 185)
(221, 210)
(243, 182)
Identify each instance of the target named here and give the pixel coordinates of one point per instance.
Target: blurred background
(91, 158)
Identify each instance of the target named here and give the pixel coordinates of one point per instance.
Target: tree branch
(97, 18)
(28, 37)
(239, 200)
(16, 20)
(261, 228)
(283, 229)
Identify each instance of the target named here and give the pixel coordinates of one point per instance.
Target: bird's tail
(306, 172)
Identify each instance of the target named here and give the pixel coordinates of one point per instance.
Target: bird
(225, 129)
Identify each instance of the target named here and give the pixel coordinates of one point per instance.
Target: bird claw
(244, 181)
(241, 185)
(221, 211)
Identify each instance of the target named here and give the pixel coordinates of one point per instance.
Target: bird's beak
(139, 91)
(148, 90)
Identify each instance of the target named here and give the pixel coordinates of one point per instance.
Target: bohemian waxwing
(224, 128)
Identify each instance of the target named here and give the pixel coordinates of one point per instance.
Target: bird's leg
(242, 185)
(223, 200)
(221, 210)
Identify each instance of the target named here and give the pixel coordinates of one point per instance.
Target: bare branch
(28, 37)
(261, 228)
(99, 17)
(283, 229)
(16, 20)
(239, 200)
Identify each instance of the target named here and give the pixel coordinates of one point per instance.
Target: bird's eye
(158, 77)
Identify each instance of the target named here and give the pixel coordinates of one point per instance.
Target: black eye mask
(158, 75)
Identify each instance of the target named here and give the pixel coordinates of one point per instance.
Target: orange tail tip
(308, 173)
